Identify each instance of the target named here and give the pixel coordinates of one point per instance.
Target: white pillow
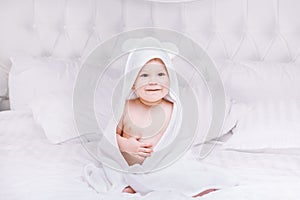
(268, 125)
(19, 127)
(30, 78)
(233, 111)
(249, 82)
(45, 86)
(54, 112)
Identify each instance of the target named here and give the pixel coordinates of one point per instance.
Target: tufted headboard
(260, 30)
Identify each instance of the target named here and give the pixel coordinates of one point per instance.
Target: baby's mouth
(152, 90)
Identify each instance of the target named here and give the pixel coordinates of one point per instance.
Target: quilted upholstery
(260, 30)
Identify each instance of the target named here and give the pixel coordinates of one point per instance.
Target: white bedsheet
(274, 174)
(34, 169)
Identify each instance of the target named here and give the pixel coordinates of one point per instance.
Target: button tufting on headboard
(260, 30)
(228, 29)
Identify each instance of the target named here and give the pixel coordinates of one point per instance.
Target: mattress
(32, 168)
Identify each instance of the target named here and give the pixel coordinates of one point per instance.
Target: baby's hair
(156, 60)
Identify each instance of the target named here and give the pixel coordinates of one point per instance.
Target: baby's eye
(144, 75)
(161, 74)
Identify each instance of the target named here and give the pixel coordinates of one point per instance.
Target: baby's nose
(152, 81)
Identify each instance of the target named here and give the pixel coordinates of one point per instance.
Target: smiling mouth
(152, 90)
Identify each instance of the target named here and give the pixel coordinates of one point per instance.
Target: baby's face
(152, 83)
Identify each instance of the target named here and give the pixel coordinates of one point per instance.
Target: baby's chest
(146, 125)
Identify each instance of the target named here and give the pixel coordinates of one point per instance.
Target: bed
(254, 45)
(35, 169)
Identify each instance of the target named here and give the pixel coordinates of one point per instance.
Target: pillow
(233, 111)
(198, 83)
(249, 82)
(30, 78)
(45, 86)
(268, 125)
(54, 113)
(19, 127)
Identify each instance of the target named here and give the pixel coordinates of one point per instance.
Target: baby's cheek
(165, 91)
(139, 91)
(165, 83)
(142, 83)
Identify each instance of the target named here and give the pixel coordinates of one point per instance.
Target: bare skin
(129, 190)
(138, 135)
(145, 118)
(204, 192)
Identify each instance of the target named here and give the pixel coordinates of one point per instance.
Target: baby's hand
(135, 147)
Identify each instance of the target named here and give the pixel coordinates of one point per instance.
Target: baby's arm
(132, 145)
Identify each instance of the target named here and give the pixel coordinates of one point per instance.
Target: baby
(146, 117)
(151, 119)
